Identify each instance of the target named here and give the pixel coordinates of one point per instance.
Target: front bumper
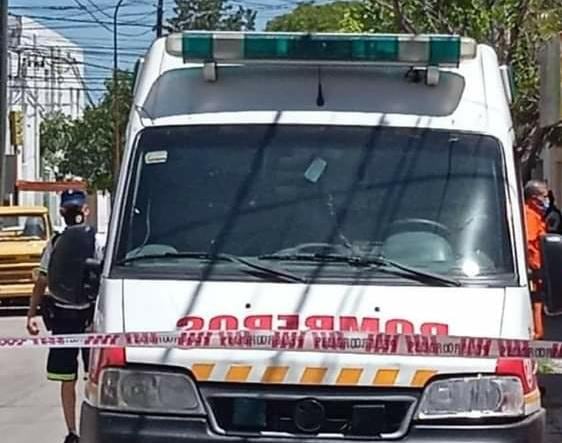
(109, 427)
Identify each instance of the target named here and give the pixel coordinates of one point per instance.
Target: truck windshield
(22, 227)
(290, 195)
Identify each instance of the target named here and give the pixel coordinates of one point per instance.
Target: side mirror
(551, 249)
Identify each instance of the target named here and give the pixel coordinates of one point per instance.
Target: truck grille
(14, 271)
(250, 410)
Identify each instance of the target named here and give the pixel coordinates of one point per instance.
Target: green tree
(56, 139)
(220, 15)
(312, 17)
(83, 147)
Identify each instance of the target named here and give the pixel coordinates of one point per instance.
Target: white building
(46, 75)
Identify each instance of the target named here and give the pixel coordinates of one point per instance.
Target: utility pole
(160, 18)
(3, 95)
(36, 127)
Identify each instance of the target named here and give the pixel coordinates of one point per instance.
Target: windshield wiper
(171, 255)
(285, 275)
(370, 263)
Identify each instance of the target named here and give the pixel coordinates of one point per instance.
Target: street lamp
(116, 160)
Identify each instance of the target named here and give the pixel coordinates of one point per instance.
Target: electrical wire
(78, 20)
(78, 15)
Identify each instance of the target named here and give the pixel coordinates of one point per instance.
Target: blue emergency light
(256, 47)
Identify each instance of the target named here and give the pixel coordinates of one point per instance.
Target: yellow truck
(24, 232)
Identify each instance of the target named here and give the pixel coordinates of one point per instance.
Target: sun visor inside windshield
(274, 88)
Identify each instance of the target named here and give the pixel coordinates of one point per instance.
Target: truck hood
(171, 305)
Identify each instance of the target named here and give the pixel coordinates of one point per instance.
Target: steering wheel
(418, 224)
(313, 248)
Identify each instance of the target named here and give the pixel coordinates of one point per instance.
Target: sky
(89, 23)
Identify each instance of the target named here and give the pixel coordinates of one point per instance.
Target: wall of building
(46, 73)
(552, 170)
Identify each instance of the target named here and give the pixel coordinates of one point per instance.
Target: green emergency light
(256, 47)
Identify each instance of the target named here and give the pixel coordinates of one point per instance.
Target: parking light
(255, 47)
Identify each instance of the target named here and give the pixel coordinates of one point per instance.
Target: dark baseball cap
(73, 197)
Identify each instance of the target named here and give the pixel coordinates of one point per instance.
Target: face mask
(544, 204)
(74, 216)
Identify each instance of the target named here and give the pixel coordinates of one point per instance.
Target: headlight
(147, 391)
(472, 398)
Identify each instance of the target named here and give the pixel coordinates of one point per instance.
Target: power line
(78, 20)
(99, 9)
(95, 49)
(79, 51)
(56, 88)
(94, 78)
(106, 25)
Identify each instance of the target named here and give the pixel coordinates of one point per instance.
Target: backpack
(554, 221)
(67, 273)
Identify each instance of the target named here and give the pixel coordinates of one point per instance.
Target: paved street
(29, 411)
(554, 420)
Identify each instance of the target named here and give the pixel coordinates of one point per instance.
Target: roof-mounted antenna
(320, 102)
(210, 72)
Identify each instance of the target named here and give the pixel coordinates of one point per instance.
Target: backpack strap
(54, 239)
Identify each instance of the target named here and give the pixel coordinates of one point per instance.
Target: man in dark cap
(60, 315)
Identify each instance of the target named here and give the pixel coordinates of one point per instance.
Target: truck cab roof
(15, 210)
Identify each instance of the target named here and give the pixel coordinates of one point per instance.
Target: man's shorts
(62, 364)
(537, 297)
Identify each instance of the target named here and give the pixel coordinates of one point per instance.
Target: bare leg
(538, 320)
(68, 397)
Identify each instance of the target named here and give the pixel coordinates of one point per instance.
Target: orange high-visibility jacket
(536, 228)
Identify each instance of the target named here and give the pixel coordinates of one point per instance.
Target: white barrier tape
(306, 341)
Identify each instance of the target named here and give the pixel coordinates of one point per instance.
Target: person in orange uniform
(536, 205)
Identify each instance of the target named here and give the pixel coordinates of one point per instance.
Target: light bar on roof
(420, 50)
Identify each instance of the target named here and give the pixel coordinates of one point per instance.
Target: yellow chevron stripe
(349, 376)
(533, 397)
(421, 377)
(313, 376)
(386, 377)
(201, 371)
(275, 374)
(238, 373)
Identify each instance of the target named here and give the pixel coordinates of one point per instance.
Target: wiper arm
(171, 255)
(268, 269)
(419, 274)
(288, 276)
(378, 263)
